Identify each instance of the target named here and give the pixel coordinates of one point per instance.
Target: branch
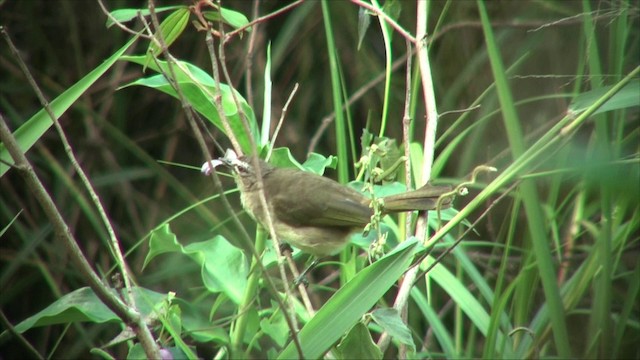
(128, 314)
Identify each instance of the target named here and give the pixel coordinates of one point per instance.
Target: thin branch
(284, 113)
(119, 24)
(402, 297)
(128, 314)
(248, 59)
(113, 302)
(386, 18)
(7, 324)
(462, 236)
(291, 318)
(537, 25)
(288, 255)
(327, 120)
(233, 33)
(115, 243)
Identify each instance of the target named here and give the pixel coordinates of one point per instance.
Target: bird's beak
(229, 159)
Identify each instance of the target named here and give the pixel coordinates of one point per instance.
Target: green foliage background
(587, 189)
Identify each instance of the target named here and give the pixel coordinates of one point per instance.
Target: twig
(119, 24)
(144, 334)
(406, 123)
(291, 318)
(284, 113)
(126, 314)
(470, 228)
(117, 252)
(7, 324)
(326, 121)
(402, 297)
(231, 34)
(386, 18)
(72, 158)
(292, 266)
(288, 255)
(248, 59)
(290, 315)
(539, 25)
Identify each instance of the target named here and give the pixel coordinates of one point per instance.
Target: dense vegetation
(539, 259)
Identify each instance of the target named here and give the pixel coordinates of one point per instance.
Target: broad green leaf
(223, 266)
(29, 132)
(316, 163)
(358, 344)
(162, 240)
(277, 329)
(381, 190)
(83, 305)
(347, 305)
(389, 319)
(199, 90)
(199, 327)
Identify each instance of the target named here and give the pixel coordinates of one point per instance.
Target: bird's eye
(242, 170)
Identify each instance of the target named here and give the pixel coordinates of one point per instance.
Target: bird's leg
(301, 279)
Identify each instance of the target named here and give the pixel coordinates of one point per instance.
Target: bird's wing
(313, 200)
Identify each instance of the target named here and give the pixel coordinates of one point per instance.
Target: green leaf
(276, 328)
(358, 344)
(347, 305)
(389, 319)
(628, 96)
(124, 15)
(316, 163)
(460, 295)
(199, 327)
(199, 90)
(224, 267)
(28, 133)
(381, 190)
(233, 18)
(162, 240)
(83, 305)
(170, 28)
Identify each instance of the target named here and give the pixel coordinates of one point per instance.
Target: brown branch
(119, 24)
(290, 318)
(326, 121)
(24, 168)
(231, 34)
(128, 314)
(532, 26)
(386, 18)
(10, 328)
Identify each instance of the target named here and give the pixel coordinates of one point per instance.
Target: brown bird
(312, 212)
